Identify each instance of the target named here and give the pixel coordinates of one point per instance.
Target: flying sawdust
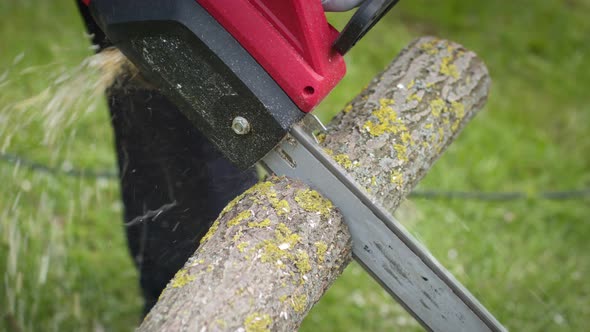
(71, 94)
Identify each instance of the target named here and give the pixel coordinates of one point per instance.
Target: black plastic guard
(196, 63)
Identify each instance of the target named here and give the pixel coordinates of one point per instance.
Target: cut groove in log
(275, 250)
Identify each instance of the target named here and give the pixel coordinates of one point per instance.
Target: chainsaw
(246, 73)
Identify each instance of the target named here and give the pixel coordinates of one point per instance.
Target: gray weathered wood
(274, 251)
(391, 134)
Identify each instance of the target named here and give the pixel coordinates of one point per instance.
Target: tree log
(275, 250)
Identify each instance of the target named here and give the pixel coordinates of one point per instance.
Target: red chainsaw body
(290, 39)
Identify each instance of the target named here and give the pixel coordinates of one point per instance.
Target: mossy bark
(274, 251)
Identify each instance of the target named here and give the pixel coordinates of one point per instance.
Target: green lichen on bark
(299, 303)
(258, 322)
(239, 218)
(259, 224)
(384, 119)
(448, 68)
(321, 248)
(181, 279)
(281, 207)
(242, 246)
(344, 160)
(211, 231)
(311, 201)
(261, 187)
(302, 262)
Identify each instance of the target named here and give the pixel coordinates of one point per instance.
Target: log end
(281, 236)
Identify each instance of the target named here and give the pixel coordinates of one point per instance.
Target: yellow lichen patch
(414, 96)
(283, 298)
(321, 248)
(402, 152)
(262, 187)
(231, 205)
(437, 106)
(277, 249)
(242, 246)
(239, 218)
(384, 102)
(329, 152)
(299, 303)
(211, 231)
(312, 201)
(396, 178)
(430, 47)
(428, 126)
(448, 68)
(406, 138)
(261, 224)
(411, 85)
(209, 268)
(344, 160)
(458, 109)
(347, 109)
(257, 322)
(181, 279)
(374, 180)
(321, 138)
(302, 262)
(238, 235)
(284, 235)
(272, 253)
(281, 207)
(387, 120)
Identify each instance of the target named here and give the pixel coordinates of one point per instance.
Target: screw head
(240, 125)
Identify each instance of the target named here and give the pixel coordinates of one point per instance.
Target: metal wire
(416, 194)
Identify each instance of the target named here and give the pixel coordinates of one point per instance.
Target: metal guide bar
(381, 244)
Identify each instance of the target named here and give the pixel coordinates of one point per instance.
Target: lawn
(64, 261)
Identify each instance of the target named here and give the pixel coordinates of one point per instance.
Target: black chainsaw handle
(369, 13)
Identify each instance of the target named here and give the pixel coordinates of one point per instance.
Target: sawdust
(72, 93)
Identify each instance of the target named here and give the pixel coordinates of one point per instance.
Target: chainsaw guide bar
(380, 243)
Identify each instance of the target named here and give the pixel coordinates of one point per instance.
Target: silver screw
(240, 125)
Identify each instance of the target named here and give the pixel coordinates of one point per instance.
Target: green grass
(63, 257)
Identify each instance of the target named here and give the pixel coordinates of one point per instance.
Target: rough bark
(390, 135)
(274, 251)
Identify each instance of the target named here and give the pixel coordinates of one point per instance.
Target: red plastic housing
(290, 39)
